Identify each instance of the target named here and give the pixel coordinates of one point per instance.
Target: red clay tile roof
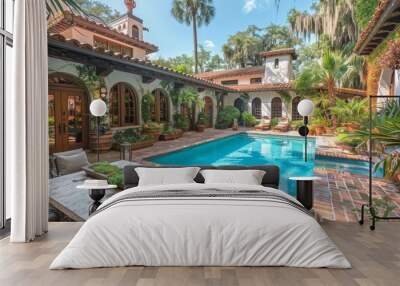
(262, 87)
(280, 52)
(146, 63)
(259, 70)
(367, 32)
(65, 20)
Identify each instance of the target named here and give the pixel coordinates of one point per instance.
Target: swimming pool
(287, 152)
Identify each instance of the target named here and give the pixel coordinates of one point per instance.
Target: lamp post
(98, 108)
(305, 109)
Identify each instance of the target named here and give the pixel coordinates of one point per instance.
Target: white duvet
(200, 232)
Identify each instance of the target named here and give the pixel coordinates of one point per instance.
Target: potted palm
(201, 122)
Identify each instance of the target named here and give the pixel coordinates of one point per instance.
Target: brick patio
(337, 195)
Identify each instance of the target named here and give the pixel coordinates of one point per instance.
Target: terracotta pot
(143, 144)
(351, 127)
(154, 132)
(201, 128)
(319, 130)
(330, 130)
(105, 141)
(168, 137)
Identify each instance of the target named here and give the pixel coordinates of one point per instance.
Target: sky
(231, 16)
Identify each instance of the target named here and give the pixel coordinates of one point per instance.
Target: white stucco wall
(135, 81)
(282, 74)
(129, 22)
(266, 99)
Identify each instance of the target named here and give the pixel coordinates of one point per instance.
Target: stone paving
(336, 196)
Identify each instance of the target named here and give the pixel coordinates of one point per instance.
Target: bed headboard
(271, 178)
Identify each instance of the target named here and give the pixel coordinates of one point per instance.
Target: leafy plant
(129, 136)
(181, 121)
(147, 102)
(152, 125)
(113, 173)
(168, 130)
(274, 122)
(353, 111)
(202, 119)
(226, 117)
(391, 57)
(249, 119)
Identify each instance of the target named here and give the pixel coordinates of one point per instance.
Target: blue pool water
(245, 149)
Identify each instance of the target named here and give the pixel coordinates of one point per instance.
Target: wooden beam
(148, 79)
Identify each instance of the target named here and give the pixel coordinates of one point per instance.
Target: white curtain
(26, 124)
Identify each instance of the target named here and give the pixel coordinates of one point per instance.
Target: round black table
(305, 190)
(96, 193)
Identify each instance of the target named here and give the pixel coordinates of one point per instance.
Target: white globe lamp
(305, 107)
(98, 108)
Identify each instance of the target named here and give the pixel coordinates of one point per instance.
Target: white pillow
(166, 176)
(241, 177)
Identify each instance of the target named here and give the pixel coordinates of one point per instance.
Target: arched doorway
(276, 108)
(160, 108)
(256, 108)
(295, 113)
(209, 111)
(239, 104)
(123, 106)
(68, 113)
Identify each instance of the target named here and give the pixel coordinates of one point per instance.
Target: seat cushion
(68, 164)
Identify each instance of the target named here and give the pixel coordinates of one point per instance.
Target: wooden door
(68, 119)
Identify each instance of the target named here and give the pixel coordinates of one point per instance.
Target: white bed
(200, 231)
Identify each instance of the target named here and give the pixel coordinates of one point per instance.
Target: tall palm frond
(334, 18)
(56, 6)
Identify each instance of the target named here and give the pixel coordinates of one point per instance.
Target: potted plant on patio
(181, 122)
(170, 133)
(138, 141)
(152, 129)
(249, 119)
(201, 122)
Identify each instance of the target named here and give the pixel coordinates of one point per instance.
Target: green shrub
(129, 135)
(147, 102)
(168, 130)
(202, 119)
(348, 140)
(152, 125)
(274, 122)
(113, 173)
(226, 117)
(249, 119)
(181, 122)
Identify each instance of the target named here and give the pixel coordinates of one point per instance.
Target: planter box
(152, 132)
(168, 137)
(93, 174)
(105, 141)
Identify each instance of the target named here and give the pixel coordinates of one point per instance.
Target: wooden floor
(375, 257)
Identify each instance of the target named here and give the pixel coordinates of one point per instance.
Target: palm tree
(54, 6)
(330, 72)
(241, 48)
(195, 13)
(334, 18)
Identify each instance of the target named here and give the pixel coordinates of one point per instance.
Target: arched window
(123, 106)
(239, 104)
(135, 32)
(276, 108)
(160, 108)
(164, 108)
(256, 108)
(295, 113)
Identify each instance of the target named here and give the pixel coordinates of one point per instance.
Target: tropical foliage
(226, 117)
(243, 48)
(195, 13)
